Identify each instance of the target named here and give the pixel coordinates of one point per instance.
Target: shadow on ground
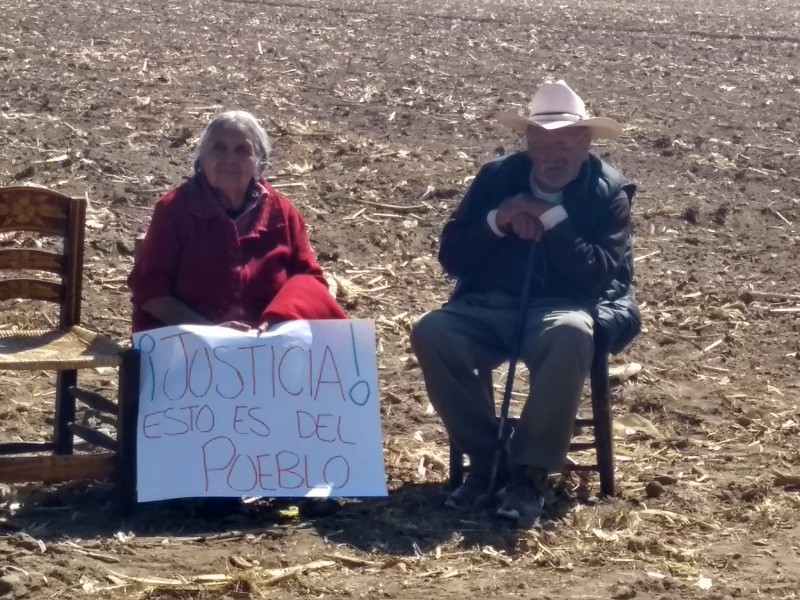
(411, 521)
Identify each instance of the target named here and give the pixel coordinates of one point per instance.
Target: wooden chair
(600, 422)
(30, 219)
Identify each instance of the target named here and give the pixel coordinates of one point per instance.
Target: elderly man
(575, 210)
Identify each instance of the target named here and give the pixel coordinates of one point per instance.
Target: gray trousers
(476, 331)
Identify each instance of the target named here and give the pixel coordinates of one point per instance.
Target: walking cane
(516, 350)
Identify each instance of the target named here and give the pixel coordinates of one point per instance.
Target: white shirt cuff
(491, 219)
(552, 217)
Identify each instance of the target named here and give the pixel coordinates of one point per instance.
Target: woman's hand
(237, 325)
(264, 327)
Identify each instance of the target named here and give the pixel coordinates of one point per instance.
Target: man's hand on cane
(520, 215)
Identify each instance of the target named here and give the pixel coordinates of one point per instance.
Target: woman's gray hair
(247, 123)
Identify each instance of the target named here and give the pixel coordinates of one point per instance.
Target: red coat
(258, 267)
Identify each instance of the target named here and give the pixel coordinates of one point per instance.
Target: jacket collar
(204, 203)
(580, 185)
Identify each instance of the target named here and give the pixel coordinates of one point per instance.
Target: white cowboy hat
(555, 106)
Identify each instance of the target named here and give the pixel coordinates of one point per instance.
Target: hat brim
(600, 127)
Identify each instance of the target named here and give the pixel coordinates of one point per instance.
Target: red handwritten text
(224, 467)
(252, 370)
(178, 421)
(324, 427)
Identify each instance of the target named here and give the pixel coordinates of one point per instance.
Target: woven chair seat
(57, 349)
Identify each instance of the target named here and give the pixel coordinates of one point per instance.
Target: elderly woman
(225, 248)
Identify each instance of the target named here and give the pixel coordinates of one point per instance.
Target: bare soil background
(381, 112)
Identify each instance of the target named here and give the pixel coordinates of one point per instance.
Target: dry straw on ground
(381, 114)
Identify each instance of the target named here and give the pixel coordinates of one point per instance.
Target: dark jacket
(587, 258)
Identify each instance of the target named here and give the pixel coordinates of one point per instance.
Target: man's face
(557, 155)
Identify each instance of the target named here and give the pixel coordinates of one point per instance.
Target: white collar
(550, 197)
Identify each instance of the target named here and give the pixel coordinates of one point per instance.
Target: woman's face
(229, 163)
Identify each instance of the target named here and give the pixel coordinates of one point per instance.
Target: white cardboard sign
(291, 412)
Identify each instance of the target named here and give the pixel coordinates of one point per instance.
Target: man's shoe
(524, 496)
(473, 491)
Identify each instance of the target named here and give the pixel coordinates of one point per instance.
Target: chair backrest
(45, 213)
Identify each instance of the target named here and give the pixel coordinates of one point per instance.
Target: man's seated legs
(451, 344)
(478, 332)
(557, 349)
